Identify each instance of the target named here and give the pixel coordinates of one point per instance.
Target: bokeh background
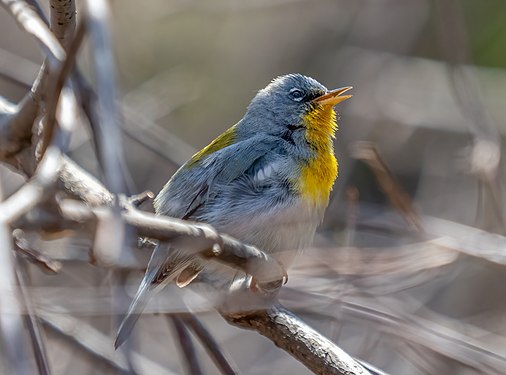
(407, 270)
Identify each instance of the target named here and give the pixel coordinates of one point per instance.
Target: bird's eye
(296, 94)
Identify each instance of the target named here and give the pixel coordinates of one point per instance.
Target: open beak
(333, 97)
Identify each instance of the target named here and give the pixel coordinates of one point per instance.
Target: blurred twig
(32, 322)
(99, 345)
(107, 136)
(14, 342)
(30, 22)
(56, 86)
(396, 318)
(380, 261)
(396, 194)
(192, 362)
(209, 343)
(47, 264)
(485, 153)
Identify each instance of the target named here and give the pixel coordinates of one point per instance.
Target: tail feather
(160, 257)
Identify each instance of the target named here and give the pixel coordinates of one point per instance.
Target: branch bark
(288, 332)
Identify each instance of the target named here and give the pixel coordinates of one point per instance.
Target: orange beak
(333, 97)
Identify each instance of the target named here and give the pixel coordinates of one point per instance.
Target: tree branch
(288, 332)
(63, 20)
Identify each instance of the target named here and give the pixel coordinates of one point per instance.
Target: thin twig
(99, 345)
(397, 195)
(108, 136)
(32, 322)
(56, 87)
(35, 257)
(15, 347)
(191, 359)
(29, 20)
(209, 343)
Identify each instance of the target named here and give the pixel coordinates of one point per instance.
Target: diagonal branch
(287, 331)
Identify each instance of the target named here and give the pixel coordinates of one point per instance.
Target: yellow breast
(318, 175)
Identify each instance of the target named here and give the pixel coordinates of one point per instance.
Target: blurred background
(407, 270)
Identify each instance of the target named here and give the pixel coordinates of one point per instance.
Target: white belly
(281, 233)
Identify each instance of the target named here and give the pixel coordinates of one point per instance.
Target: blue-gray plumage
(265, 181)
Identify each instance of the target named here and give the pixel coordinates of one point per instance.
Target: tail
(162, 255)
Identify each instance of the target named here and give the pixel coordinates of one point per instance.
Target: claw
(285, 275)
(253, 286)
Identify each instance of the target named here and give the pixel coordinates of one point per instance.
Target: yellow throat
(319, 174)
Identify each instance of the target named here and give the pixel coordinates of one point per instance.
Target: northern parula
(265, 181)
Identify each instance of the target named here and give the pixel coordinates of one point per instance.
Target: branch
(13, 339)
(16, 125)
(99, 345)
(192, 362)
(193, 238)
(63, 20)
(399, 198)
(210, 344)
(79, 184)
(107, 134)
(30, 21)
(288, 332)
(32, 322)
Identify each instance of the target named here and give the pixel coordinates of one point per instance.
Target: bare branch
(34, 256)
(14, 342)
(107, 136)
(47, 171)
(99, 345)
(56, 86)
(192, 362)
(467, 240)
(16, 123)
(210, 344)
(16, 126)
(80, 184)
(32, 323)
(30, 21)
(63, 20)
(397, 195)
(287, 331)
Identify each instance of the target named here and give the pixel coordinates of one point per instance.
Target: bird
(265, 181)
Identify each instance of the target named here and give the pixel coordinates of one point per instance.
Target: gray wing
(190, 187)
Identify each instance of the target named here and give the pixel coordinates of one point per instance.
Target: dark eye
(296, 94)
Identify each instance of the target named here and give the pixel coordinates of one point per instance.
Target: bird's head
(294, 102)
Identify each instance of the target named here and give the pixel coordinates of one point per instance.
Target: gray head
(283, 103)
